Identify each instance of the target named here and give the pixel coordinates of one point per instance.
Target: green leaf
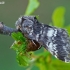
(20, 46)
(32, 6)
(60, 65)
(48, 63)
(23, 60)
(58, 16)
(18, 36)
(68, 29)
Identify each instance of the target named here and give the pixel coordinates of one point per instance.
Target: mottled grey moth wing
(55, 40)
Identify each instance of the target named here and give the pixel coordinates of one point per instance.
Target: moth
(55, 40)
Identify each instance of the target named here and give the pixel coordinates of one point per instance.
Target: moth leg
(33, 45)
(37, 44)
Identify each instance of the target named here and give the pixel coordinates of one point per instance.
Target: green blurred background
(10, 12)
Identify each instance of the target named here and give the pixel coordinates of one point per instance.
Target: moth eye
(35, 17)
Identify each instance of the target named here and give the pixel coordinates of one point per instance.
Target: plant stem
(5, 30)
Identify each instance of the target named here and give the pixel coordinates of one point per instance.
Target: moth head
(26, 23)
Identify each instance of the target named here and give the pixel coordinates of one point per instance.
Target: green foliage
(48, 62)
(32, 6)
(58, 17)
(68, 29)
(20, 45)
